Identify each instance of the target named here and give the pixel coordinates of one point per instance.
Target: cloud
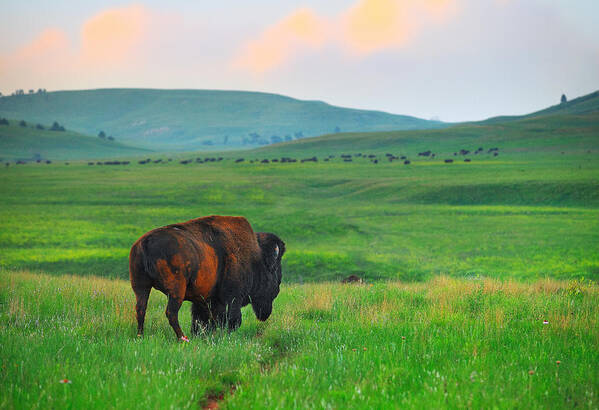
(375, 24)
(44, 56)
(109, 39)
(113, 34)
(49, 42)
(302, 29)
(366, 27)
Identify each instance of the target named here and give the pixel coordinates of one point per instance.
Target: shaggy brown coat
(216, 262)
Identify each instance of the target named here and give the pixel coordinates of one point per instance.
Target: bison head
(266, 287)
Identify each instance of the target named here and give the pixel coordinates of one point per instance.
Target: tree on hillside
(3, 121)
(56, 127)
(110, 138)
(275, 139)
(254, 137)
(337, 129)
(564, 99)
(102, 134)
(299, 135)
(22, 123)
(40, 127)
(288, 137)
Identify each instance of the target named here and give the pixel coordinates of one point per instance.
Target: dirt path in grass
(213, 399)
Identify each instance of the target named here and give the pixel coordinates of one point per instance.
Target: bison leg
(200, 317)
(227, 315)
(234, 317)
(141, 294)
(172, 314)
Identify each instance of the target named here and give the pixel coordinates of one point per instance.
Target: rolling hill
(198, 119)
(573, 126)
(28, 142)
(585, 104)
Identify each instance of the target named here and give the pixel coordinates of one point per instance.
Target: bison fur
(217, 262)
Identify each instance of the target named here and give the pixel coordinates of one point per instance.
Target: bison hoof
(184, 339)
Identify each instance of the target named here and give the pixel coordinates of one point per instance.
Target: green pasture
(503, 217)
(443, 343)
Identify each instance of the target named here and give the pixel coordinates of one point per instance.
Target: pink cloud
(302, 29)
(366, 27)
(108, 40)
(112, 35)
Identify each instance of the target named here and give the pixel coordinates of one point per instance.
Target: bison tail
(140, 265)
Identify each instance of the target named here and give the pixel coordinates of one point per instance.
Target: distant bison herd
(373, 158)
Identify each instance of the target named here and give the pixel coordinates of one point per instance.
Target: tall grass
(442, 343)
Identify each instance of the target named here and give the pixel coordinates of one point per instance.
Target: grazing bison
(352, 279)
(216, 262)
(313, 159)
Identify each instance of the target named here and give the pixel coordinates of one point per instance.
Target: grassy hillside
(28, 142)
(552, 134)
(579, 106)
(187, 119)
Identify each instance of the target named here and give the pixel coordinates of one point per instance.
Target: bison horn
(276, 250)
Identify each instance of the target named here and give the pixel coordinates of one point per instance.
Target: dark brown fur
(352, 279)
(216, 262)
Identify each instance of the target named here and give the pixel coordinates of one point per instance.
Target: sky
(454, 60)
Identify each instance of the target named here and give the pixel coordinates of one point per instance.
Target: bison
(216, 262)
(352, 279)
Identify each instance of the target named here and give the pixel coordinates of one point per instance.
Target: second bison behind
(217, 262)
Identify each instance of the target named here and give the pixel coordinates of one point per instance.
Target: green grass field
(466, 261)
(441, 343)
(497, 217)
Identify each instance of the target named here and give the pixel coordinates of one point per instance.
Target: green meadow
(495, 216)
(441, 343)
(463, 264)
